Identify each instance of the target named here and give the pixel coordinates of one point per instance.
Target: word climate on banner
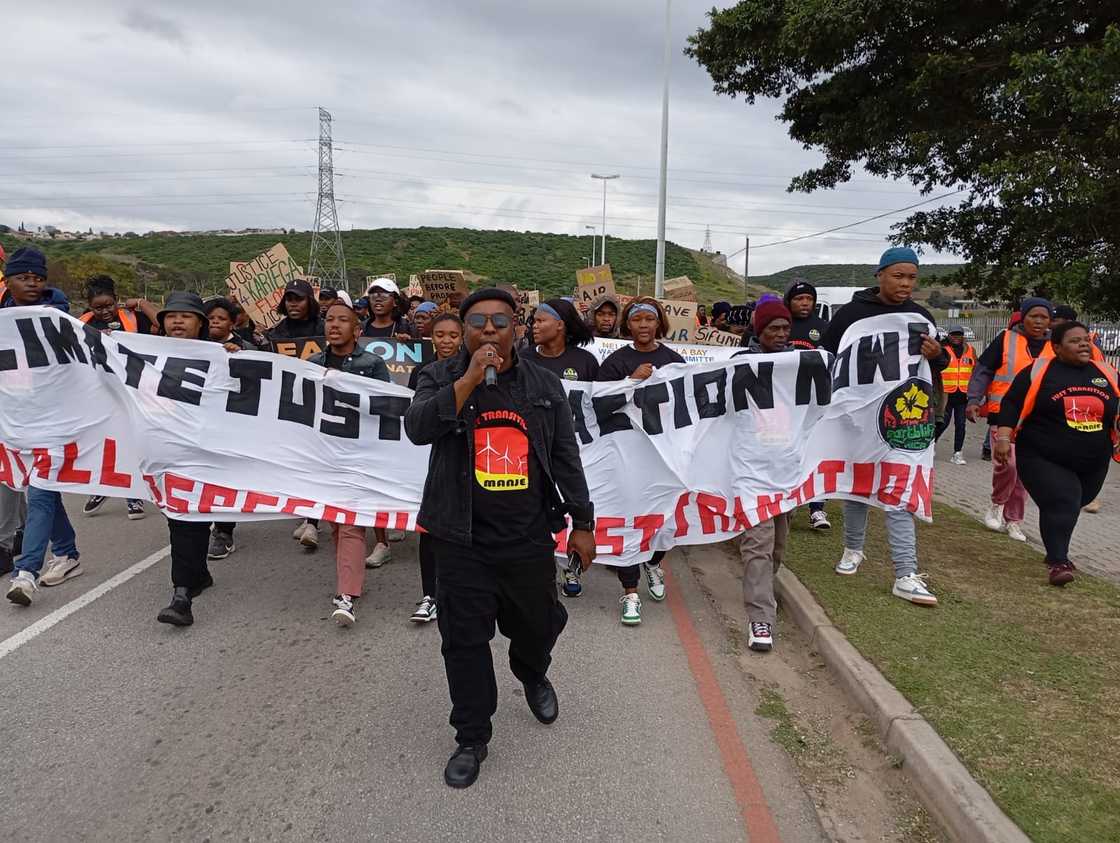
(258, 285)
(724, 445)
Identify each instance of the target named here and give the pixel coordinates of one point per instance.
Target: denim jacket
(445, 511)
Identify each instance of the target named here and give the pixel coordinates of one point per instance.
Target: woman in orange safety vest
(1061, 414)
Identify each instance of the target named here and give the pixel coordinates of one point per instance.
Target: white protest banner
(443, 285)
(258, 285)
(682, 320)
(680, 288)
(694, 454)
(604, 347)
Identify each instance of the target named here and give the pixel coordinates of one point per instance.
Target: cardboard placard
(706, 335)
(682, 320)
(594, 275)
(443, 285)
(258, 285)
(587, 293)
(400, 357)
(392, 276)
(680, 288)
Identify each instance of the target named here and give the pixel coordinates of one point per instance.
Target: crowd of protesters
(486, 553)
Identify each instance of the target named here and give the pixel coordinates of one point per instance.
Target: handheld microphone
(491, 376)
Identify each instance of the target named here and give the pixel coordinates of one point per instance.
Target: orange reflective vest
(126, 317)
(954, 378)
(1038, 372)
(1016, 357)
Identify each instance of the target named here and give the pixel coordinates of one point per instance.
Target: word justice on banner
(722, 445)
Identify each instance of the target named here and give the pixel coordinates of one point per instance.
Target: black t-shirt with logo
(623, 363)
(807, 333)
(508, 488)
(574, 364)
(1073, 415)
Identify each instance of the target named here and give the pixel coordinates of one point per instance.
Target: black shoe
(7, 561)
(179, 612)
(221, 546)
(542, 701)
(986, 455)
(462, 768)
(192, 593)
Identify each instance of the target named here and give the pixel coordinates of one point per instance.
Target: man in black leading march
(503, 472)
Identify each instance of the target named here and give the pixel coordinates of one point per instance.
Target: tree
(1015, 104)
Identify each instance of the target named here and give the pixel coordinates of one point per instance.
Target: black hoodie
(808, 332)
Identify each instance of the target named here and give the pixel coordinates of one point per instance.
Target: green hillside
(843, 274)
(548, 262)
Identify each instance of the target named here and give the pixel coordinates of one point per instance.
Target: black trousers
(1060, 493)
(473, 592)
(189, 542)
(427, 566)
(954, 410)
(630, 575)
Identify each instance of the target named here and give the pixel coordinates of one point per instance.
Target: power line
(851, 225)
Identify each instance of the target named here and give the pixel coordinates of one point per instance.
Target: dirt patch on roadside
(859, 792)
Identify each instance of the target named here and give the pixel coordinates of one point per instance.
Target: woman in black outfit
(643, 322)
(559, 335)
(447, 338)
(1061, 414)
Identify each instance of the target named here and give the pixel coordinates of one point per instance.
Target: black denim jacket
(445, 511)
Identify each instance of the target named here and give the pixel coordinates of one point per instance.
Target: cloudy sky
(490, 114)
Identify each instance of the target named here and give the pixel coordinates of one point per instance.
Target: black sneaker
(221, 546)
(93, 503)
(135, 510)
(986, 455)
(178, 613)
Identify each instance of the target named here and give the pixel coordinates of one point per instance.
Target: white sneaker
(425, 611)
(631, 609)
(1015, 531)
(1093, 506)
(309, 536)
(655, 579)
(343, 614)
(23, 586)
(819, 520)
(849, 562)
(958, 459)
(301, 527)
(993, 518)
(761, 637)
(60, 569)
(912, 587)
(381, 554)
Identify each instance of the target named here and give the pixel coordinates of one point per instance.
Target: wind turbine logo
(489, 452)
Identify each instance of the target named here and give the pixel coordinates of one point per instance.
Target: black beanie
(486, 294)
(800, 287)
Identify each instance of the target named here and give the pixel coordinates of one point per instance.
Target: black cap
(301, 288)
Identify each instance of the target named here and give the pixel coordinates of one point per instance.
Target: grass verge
(1020, 679)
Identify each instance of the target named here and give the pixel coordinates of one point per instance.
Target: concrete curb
(941, 782)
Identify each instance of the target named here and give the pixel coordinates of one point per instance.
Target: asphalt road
(266, 721)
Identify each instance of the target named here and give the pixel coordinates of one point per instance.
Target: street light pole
(592, 229)
(659, 270)
(605, 179)
(746, 267)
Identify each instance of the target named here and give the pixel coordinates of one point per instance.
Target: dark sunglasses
(498, 320)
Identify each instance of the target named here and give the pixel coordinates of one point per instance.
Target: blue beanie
(426, 307)
(27, 259)
(1032, 302)
(897, 254)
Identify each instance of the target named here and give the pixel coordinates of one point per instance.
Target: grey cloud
(149, 23)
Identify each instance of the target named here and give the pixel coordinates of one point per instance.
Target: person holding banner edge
(645, 322)
(897, 275)
(343, 355)
(503, 472)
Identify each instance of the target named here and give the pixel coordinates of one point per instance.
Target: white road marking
(10, 645)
